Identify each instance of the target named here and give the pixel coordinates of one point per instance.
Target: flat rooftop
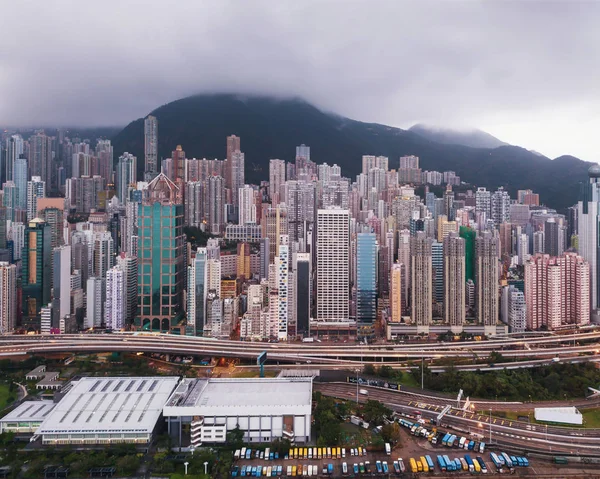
(229, 396)
(30, 411)
(110, 404)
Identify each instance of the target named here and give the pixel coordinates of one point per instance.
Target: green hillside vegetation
(272, 128)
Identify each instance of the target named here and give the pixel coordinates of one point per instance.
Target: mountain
(272, 128)
(474, 138)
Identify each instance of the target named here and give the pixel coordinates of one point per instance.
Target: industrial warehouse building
(204, 410)
(27, 417)
(107, 411)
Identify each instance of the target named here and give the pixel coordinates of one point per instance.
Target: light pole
(357, 390)
(185, 464)
(490, 425)
(205, 468)
(422, 371)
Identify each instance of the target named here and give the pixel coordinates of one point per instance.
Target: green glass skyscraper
(161, 257)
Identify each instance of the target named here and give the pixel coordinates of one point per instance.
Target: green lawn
(254, 374)
(4, 393)
(591, 418)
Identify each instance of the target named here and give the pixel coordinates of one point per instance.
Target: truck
(481, 447)
(364, 392)
(482, 464)
(429, 463)
(450, 466)
(470, 464)
(441, 463)
(445, 439)
(388, 449)
(560, 460)
(308, 340)
(451, 440)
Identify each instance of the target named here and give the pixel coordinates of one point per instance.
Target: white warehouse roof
(566, 415)
(30, 411)
(241, 397)
(110, 404)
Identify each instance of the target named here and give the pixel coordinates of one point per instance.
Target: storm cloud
(527, 72)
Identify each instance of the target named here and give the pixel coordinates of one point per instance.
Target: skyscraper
(282, 264)
(151, 146)
(300, 202)
(40, 159)
(103, 254)
(233, 144)
(36, 270)
(587, 232)
(486, 280)
(116, 299)
(302, 293)
(197, 294)
(247, 205)
(396, 293)
(96, 299)
(513, 309)
(557, 291)
(366, 284)
(161, 256)
(61, 284)
(454, 281)
(20, 179)
(8, 297)
(483, 202)
(421, 280)
(500, 206)
(126, 175)
(238, 176)
(333, 255)
(276, 180)
(128, 263)
(36, 188)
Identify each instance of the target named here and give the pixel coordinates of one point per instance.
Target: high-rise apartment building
(216, 205)
(557, 291)
(126, 175)
(247, 205)
(36, 188)
(128, 263)
(396, 293)
(421, 280)
(116, 299)
(454, 282)
(197, 294)
(150, 146)
(513, 309)
(96, 299)
(40, 159)
(333, 273)
(103, 255)
(238, 176)
(500, 206)
(301, 209)
(161, 256)
(276, 180)
(483, 202)
(8, 297)
(282, 265)
(487, 274)
(233, 144)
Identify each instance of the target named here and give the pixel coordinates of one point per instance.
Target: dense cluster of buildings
(86, 242)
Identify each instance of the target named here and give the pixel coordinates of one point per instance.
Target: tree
(391, 433)
(369, 370)
(235, 438)
(374, 412)
(128, 465)
(386, 371)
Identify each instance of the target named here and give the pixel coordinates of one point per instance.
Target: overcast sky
(527, 72)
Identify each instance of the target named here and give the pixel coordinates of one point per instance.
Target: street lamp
(205, 468)
(357, 371)
(186, 465)
(490, 425)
